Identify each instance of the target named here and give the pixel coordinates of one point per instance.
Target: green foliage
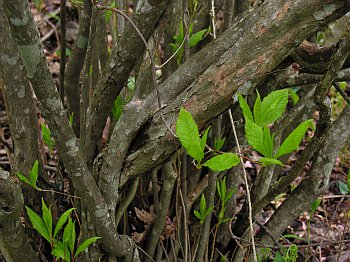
(291, 254)
(193, 38)
(203, 210)
(224, 197)
(33, 176)
(293, 140)
(188, 133)
(271, 108)
(71, 119)
(109, 12)
(117, 109)
(258, 134)
(222, 162)
(61, 249)
(218, 143)
(48, 140)
(293, 95)
(314, 206)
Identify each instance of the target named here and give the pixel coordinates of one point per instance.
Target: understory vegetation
(166, 130)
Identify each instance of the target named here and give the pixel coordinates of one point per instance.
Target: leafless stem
(246, 185)
(154, 76)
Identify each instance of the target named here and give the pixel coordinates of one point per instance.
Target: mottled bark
(127, 52)
(23, 30)
(13, 241)
(274, 31)
(75, 65)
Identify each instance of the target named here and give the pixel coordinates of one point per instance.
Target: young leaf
(204, 139)
(257, 108)
(268, 142)
(314, 206)
(33, 174)
(60, 251)
(187, 131)
(47, 136)
(62, 220)
(229, 195)
(208, 211)
(118, 107)
(255, 137)
(71, 116)
(85, 244)
(202, 205)
(23, 178)
(218, 143)
(245, 108)
(343, 188)
(47, 216)
(293, 140)
(69, 235)
(265, 161)
(197, 37)
(294, 96)
(38, 224)
(222, 162)
(272, 107)
(197, 214)
(294, 236)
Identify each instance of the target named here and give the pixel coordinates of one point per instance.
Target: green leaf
(208, 211)
(272, 107)
(118, 107)
(256, 136)
(85, 244)
(268, 142)
(197, 37)
(187, 131)
(202, 205)
(222, 162)
(47, 216)
(229, 195)
(294, 236)
(47, 137)
(204, 139)
(38, 224)
(278, 257)
(218, 143)
(293, 140)
(69, 235)
(197, 214)
(23, 178)
(257, 108)
(265, 161)
(62, 220)
(71, 116)
(33, 174)
(109, 12)
(314, 206)
(60, 251)
(245, 108)
(294, 96)
(343, 188)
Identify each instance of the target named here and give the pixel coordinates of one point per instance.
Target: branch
(127, 52)
(24, 32)
(208, 94)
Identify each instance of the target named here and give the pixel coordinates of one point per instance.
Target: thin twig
(154, 76)
(173, 55)
(246, 185)
(343, 94)
(63, 48)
